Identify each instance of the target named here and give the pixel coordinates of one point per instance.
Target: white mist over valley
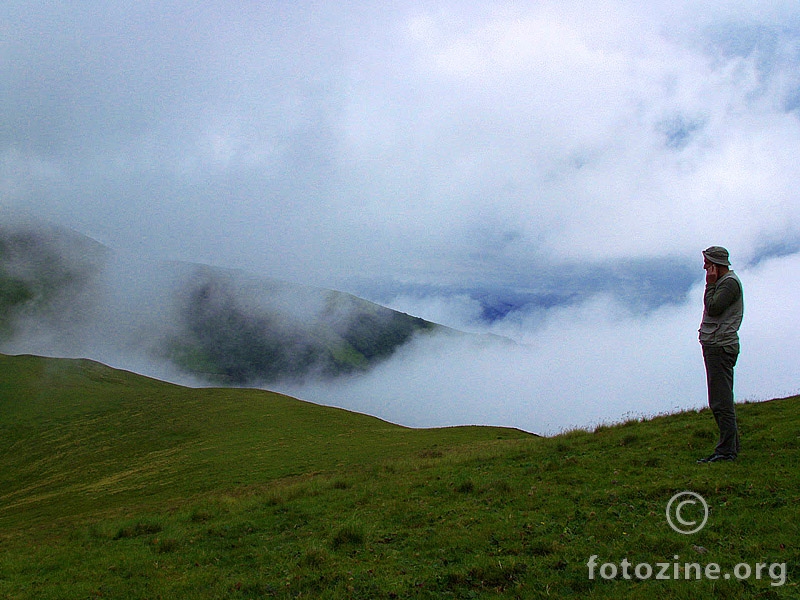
(589, 360)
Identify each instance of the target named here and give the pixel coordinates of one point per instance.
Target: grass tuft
(465, 487)
(138, 530)
(349, 535)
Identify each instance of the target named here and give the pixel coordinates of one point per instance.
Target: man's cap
(717, 255)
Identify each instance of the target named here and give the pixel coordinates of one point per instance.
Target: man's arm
(719, 296)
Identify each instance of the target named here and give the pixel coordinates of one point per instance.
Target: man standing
(719, 335)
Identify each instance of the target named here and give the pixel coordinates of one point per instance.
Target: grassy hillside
(117, 486)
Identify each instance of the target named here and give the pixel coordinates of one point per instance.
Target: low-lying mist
(595, 361)
(189, 323)
(543, 369)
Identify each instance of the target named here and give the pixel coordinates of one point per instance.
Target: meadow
(113, 485)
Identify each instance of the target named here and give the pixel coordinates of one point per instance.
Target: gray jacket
(722, 314)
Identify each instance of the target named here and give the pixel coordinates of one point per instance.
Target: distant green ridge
(221, 326)
(221, 339)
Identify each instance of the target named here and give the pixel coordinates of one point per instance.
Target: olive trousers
(719, 377)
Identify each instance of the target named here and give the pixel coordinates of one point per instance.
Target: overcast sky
(434, 143)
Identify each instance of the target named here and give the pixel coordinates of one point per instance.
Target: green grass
(117, 486)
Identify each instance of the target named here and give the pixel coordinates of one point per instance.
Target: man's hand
(712, 274)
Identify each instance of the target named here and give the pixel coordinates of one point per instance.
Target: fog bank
(577, 366)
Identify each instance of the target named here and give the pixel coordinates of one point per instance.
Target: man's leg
(719, 376)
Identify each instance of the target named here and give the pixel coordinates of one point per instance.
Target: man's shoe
(722, 457)
(717, 458)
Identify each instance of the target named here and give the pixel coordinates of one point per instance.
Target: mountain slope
(118, 486)
(241, 330)
(77, 436)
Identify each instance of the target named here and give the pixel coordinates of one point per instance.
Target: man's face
(707, 264)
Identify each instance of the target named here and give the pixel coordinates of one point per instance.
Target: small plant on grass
(314, 557)
(465, 487)
(349, 535)
(165, 545)
(138, 529)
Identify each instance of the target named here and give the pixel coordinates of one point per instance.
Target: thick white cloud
(325, 141)
(770, 340)
(601, 134)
